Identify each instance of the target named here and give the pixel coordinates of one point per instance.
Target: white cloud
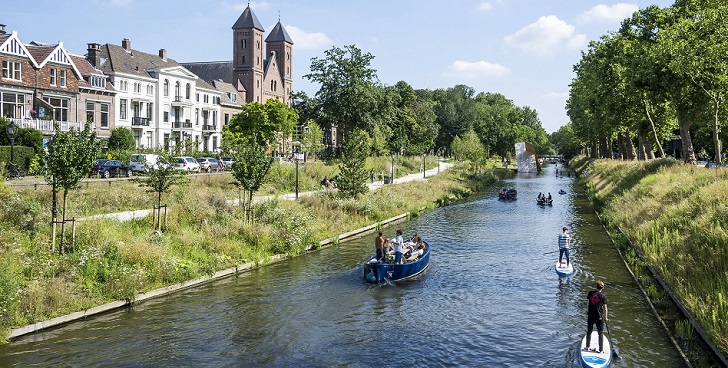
(609, 14)
(303, 40)
(484, 6)
(545, 35)
(475, 69)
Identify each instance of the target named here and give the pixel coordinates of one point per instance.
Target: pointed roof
(279, 34)
(248, 20)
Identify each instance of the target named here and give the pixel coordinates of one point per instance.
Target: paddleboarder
(564, 243)
(596, 314)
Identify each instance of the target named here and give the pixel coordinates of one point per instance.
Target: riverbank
(118, 261)
(676, 217)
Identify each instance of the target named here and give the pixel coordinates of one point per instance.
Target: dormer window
(97, 81)
(233, 96)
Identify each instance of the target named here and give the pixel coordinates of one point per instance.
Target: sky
(522, 49)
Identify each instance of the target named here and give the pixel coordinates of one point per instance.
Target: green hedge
(21, 154)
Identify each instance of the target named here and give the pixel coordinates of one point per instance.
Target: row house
(40, 85)
(163, 103)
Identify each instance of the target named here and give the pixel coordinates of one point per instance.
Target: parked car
(227, 162)
(141, 162)
(110, 168)
(208, 164)
(188, 164)
(711, 165)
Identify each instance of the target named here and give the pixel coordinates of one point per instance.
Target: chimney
(126, 44)
(93, 54)
(2, 29)
(163, 54)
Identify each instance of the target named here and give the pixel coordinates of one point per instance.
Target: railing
(139, 121)
(182, 124)
(209, 127)
(46, 126)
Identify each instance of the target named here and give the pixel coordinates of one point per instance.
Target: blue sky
(523, 49)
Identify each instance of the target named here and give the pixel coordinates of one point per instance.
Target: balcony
(187, 124)
(209, 128)
(181, 101)
(46, 126)
(140, 122)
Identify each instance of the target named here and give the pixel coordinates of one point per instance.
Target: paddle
(556, 251)
(615, 351)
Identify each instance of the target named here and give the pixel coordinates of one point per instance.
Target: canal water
(490, 298)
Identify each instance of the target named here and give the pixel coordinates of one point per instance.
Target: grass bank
(117, 261)
(677, 216)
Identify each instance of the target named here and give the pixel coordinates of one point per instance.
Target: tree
(283, 120)
(312, 138)
(121, 139)
(162, 177)
(250, 166)
(69, 158)
(253, 123)
(469, 148)
(353, 174)
(347, 95)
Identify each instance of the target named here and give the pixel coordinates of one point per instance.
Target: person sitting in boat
(398, 242)
(540, 197)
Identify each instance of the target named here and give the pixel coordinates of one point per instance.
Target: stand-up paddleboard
(591, 358)
(564, 270)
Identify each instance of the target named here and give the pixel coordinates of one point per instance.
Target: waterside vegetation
(206, 232)
(676, 215)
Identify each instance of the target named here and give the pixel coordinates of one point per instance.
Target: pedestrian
(371, 176)
(564, 243)
(381, 176)
(398, 242)
(379, 245)
(219, 164)
(596, 314)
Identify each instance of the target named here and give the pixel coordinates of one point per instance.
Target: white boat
(563, 269)
(592, 358)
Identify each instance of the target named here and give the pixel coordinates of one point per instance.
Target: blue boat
(385, 271)
(564, 270)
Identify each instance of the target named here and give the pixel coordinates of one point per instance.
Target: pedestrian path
(139, 214)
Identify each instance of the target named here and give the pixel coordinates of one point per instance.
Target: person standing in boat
(379, 245)
(564, 243)
(596, 314)
(398, 242)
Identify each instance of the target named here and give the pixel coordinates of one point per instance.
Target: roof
(40, 53)
(115, 58)
(248, 20)
(279, 34)
(212, 70)
(227, 89)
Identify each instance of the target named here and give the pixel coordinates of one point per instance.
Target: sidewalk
(139, 214)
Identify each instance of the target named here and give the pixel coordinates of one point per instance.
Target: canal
(490, 298)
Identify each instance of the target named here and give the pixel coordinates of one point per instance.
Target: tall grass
(677, 215)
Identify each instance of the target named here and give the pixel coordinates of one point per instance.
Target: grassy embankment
(116, 261)
(677, 216)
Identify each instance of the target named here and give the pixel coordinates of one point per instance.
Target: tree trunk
(643, 144)
(654, 132)
(603, 152)
(629, 146)
(63, 223)
(716, 131)
(688, 152)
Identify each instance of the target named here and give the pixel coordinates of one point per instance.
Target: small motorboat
(508, 194)
(414, 262)
(545, 202)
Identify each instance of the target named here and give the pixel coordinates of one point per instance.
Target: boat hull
(377, 272)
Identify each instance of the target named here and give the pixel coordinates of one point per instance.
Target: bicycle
(14, 171)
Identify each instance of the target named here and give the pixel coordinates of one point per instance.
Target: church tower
(280, 45)
(248, 56)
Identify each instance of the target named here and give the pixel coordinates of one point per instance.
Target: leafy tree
(121, 139)
(162, 177)
(469, 148)
(253, 123)
(353, 178)
(283, 119)
(455, 111)
(69, 159)
(347, 92)
(250, 166)
(308, 108)
(566, 142)
(312, 138)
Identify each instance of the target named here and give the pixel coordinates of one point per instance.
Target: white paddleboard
(591, 358)
(563, 269)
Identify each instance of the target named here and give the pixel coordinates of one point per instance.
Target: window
(197, 116)
(244, 43)
(257, 45)
(197, 97)
(60, 107)
(98, 81)
(242, 60)
(233, 96)
(150, 89)
(166, 88)
(137, 87)
(52, 73)
(257, 60)
(227, 118)
(63, 78)
(90, 107)
(122, 109)
(123, 85)
(206, 98)
(11, 70)
(166, 116)
(12, 105)
(188, 91)
(104, 115)
(177, 95)
(150, 111)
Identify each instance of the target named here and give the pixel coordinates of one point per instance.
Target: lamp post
(424, 167)
(295, 158)
(11, 136)
(391, 177)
